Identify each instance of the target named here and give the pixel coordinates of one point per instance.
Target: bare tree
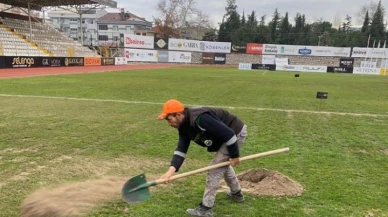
(181, 16)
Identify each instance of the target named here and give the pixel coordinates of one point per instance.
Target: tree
(262, 20)
(179, 15)
(371, 7)
(243, 21)
(252, 21)
(210, 35)
(165, 28)
(347, 24)
(230, 22)
(326, 39)
(377, 27)
(274, 24)
(284, 30)
(297, 35)
(365, 25)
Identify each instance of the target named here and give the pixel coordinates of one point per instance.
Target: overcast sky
(313, 9)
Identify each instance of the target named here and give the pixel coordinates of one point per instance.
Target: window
(102, 27)
(73, 20)
(103, 37)
(115, 28)
(115, 38)
(128, 29)
(144, 34)
(137, 33)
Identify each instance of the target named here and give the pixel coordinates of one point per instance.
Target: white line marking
(264, 72)
(229, 107)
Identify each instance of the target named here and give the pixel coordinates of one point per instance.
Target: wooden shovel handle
(226, 163)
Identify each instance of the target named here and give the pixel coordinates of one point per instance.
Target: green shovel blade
(136, 189)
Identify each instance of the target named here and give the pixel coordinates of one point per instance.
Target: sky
(313, 9)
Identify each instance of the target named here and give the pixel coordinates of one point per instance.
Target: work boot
(238, 197)
(200, 210)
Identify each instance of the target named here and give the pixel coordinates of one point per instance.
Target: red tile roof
(117, 17)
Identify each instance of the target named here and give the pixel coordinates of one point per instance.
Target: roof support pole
(80, 24)
(29, 19)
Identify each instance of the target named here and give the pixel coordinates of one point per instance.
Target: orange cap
(171, 106)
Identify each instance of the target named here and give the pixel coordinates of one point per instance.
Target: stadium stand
(43, 41)
(14, 45)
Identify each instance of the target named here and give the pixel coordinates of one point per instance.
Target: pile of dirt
(265, 182)
(74, 199)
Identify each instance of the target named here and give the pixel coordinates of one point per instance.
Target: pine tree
(377, 26)
(274, 26)
(231, 22)
(284, 30)
(365, 25)
(243, 21)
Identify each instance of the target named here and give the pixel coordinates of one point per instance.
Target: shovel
(136, 189)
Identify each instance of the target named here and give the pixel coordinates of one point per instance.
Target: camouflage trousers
(214, 176)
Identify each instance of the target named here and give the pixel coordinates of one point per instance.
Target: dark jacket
(207, 127)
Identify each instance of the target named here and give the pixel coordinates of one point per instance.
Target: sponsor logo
(366, 70)
(271, 49)
(323, 51)
(92, 61)
(366, 64)
(202, 46)
(74, 61)
(262, 67)
(339, 69)
(161, 43)
(378, 53)
(219, 59)
(55, 62)
(257, 48)
(108, 61)
(22, 62)
(360, 52)
(184, 57)
(312, 68)
(283, 50)
(45, 61)
(341, 52)
(162, 55)
(286, 67)
(345, 62)
(304, 51)
(129, 40)
(237, 48)
(216, 47)
(245, 66)
(187, 45)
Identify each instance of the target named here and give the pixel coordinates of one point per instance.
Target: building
(112, 24)
(99, 26)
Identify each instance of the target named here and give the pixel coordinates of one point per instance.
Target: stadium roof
(38, 4)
